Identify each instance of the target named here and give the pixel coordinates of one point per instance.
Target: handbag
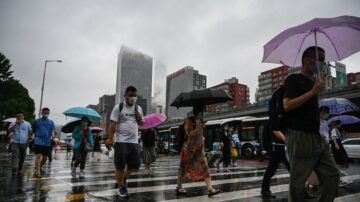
(234, 152)
(88, 147)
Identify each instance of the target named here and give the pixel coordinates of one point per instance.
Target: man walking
(44, 130)
(21, 132)
(125, 119)
(307, 151)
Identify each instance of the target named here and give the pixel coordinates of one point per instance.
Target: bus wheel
(248, 151)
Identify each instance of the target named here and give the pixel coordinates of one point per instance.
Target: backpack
(276, 118)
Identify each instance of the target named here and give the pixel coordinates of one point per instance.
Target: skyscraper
(134, 69)
(186, 79)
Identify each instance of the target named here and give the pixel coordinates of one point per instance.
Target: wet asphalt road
(241, 184)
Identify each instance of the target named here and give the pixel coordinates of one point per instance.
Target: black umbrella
(201, 97)
(70, 126)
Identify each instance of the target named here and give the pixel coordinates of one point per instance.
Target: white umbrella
(9, 120)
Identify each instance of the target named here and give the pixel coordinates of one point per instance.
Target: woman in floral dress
(193, 164)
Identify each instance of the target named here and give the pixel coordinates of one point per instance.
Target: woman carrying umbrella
(148, 137)
(337, 148)
(82, 145)
(193, 164)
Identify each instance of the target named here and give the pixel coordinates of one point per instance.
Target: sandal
(213, 192)
(180, 190)
(37, 175)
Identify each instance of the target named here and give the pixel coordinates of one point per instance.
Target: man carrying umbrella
(125, 120)
(307, 151)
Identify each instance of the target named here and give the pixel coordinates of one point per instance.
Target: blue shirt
(43, 129)
(21, 132)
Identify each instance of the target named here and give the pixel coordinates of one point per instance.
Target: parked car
(352, 147)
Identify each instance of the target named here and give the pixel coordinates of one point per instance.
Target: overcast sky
(221, 39)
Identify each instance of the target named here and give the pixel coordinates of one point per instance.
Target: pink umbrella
(153, 120)
(96, 129)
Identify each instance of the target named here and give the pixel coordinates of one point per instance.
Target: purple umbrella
(339, 37)
(338, 105)
(344, 119)
(152, 120)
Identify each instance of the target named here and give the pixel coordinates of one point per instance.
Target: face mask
(131, 100)
(45, 116)
(314, 68)
(326, 116)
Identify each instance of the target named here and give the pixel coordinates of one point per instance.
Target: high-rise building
(341, 78)
(184, 80)
(134, 69)
(269, 81)
(105, 107)
(239, 92)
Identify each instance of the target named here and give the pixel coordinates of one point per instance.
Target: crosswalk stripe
(149, 179)
(113, 192)
(348, 198)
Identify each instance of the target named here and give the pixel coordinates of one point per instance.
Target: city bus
(249, 128)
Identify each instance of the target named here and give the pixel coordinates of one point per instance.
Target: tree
(13, 95)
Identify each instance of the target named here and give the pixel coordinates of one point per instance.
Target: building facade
(134, 69)
(269, 81)
(353, 78)
(184, 80)
(105, 107)
(239, 92)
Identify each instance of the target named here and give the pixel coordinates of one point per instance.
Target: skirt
(148, 155)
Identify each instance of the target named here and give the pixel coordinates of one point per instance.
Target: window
(352, 142)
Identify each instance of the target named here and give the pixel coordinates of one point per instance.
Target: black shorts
(126, 154)
(41, 149)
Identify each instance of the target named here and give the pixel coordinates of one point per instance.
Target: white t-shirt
(335, 133)
(126, 127)
(324, 129)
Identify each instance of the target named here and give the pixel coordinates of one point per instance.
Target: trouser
(226, 158)
(275, 159)
(18, 155)
(80, 158)
(307, 153)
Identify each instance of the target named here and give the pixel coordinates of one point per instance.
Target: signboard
(341, 78)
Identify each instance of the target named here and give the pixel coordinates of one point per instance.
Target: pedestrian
(193, 163)
(124, 124)
(83, 144)
(20, 130)
(226, 145)
(43, 131)
(52, 149)
(97, 147)
(277, 152)
(148, 137)
(337, 148)
(306, 150)
(324, 127)
(68, 149)
(236, 145)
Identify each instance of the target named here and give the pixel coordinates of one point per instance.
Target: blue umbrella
(338, 105)
(344, 119)
(79, 112)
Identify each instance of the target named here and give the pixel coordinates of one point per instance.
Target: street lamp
(43, 82)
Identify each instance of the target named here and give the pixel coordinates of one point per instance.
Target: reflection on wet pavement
(242, 183)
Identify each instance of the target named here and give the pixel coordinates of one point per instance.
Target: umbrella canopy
(204, 97)
(96, 129)
(9, 120)
(70, 125)
(79, 112)
(339, 37)
(338, 105)
(344, 119)
(152, 120)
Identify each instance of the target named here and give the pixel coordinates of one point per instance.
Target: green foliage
(13, 95)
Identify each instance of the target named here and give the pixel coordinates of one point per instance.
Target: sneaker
(267, 194)
(81, 175)
(73, 172)
(123, 192)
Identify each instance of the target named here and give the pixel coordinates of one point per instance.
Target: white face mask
(132, 100)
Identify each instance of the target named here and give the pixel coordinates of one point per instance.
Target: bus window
(248, 134)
